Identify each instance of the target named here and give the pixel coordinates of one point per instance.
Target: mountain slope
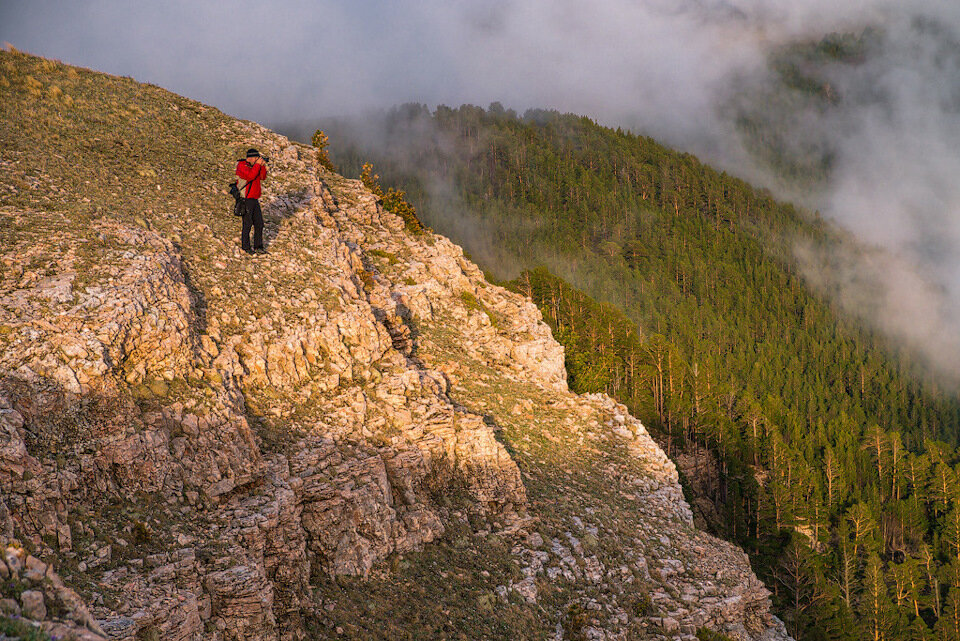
(355, 436)
(821, 448)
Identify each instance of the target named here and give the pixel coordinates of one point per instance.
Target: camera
(265, 159)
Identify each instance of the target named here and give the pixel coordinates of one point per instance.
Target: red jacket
(254, 174)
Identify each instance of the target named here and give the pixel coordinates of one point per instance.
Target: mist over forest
(850, 111)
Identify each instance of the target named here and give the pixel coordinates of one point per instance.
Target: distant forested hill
(680, 296)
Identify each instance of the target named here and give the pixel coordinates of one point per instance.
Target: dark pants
(252, 216)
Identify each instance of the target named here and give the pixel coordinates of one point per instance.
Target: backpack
(238, 207)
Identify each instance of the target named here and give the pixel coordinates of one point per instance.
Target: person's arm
(247, 172)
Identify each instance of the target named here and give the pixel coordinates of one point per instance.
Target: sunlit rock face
(194, 440)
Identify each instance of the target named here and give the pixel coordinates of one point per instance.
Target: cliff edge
(354, 436)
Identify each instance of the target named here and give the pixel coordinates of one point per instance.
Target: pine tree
(950, 537)
(878, 617)
(931, 569)
(918, 631)
(898, 455)
(918, 469)
(800, 577)
(847, 564)
(863, 529)
(943, 489)
(833, 475)
(875, 442)
(947, 627)
(909, 584)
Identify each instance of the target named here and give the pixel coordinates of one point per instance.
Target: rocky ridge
(207, 445)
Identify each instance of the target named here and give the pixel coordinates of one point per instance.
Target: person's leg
(247, 223)
(257, 225)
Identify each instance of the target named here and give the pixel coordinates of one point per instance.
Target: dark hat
(252, 152)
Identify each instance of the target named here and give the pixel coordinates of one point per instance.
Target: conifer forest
(823, 449)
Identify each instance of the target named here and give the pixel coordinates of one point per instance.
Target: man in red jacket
(252, 170)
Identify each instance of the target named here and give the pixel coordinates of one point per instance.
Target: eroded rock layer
(198, 440)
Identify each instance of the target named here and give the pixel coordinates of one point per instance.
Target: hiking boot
(247, 250)
(259, 250)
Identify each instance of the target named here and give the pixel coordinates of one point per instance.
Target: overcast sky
(270, 60)
(661, 67)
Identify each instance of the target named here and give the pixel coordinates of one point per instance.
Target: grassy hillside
(836, 455)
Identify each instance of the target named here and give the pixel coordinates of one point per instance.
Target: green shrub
(706, 634)
(21, 630)
(644, 605)
(576, 621)
(141, 533)
(471, 302)
(379, 253)
(369, 282)
(149, 633)
(320, 140)
(394, 201)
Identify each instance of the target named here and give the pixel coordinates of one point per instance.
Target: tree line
(676, 291)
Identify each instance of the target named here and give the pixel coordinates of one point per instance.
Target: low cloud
(682, 71)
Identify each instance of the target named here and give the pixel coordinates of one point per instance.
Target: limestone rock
(32, 605)
(205, 435)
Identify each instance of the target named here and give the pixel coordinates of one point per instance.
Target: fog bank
(880, 124)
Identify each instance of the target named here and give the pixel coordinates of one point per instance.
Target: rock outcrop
(198, 439)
